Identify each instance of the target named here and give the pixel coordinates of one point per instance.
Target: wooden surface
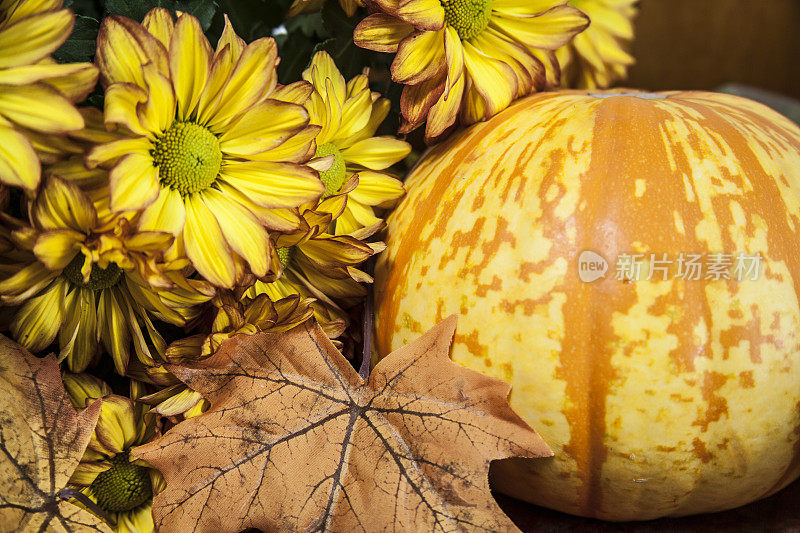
(779, 513)
(702, 44)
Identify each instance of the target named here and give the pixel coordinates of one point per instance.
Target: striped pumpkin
(663, 397)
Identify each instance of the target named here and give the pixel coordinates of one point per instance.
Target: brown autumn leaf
(42, 440)
(296, 440)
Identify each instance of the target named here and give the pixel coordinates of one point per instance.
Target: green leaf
(133, 9)
(81, 44)
(251, 19)
(204, 10)
(295, 51)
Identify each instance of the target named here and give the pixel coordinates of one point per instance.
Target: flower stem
(369, 318)
(70, 493)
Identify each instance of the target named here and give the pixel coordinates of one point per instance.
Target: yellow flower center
(285, 255)
(333, 178)
(99, 279)
(467, 17)
(123, 487)
(188, 157)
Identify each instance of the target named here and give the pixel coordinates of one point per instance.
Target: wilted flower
(598, 56)
(121, 488)
(84, 283)
(468, 58)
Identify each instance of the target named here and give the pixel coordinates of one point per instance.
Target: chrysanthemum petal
(380, 110)
(552, 68)
(377, 153)
(377, 189)
(274, 185)
(525, 7)
(529, 71)
(32, 38)
(242, 230)
(206, 246)
(26, 74)
(39, 107)
(189, 61)
(362, 214)
(295, 149)
(120, 104)
(355, 114)
(454, 54)
(263, 127)
(76, 85)
(549, 30)
(381, 32)
(63, 205)
(325, 109)
(116, 425)
(357, 84)
(166, 214)
(304, 6)
(55, 249)
(140, 519)
(282, 220)
(123, 46)
(346, 224)
(323, 68)
(158, 112)
(132, 319)
(297, 92)
(113, 330)
(158, 21)
(444, 112)
(342, 249)
(37, 322)
(416, 102)
(19, 166)
(323, 283)
(87, 471)
(421, 56)
(27, 282)
(78, 336)
(252, 78)
(493, 79)
(83, 389)
(26, 8)
(108, 152)
(179, 403)
(422, 14)
(229, 38)
(133, 183)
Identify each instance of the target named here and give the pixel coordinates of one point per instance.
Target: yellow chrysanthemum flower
(598, 56)
(84, 285)
(349, 115)
(312, 6)
(216, 152)
(35, 93)
(232, 316)
(314, 264)
(122, 489)
(468, 58)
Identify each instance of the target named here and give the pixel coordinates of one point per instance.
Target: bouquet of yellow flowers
(173, 177)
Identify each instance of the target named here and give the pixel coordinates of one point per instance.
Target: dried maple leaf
(42, 440)
(296, 440)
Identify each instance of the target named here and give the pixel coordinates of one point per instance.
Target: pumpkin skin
(659, 398)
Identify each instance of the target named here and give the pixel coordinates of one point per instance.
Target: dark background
(703, 44)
